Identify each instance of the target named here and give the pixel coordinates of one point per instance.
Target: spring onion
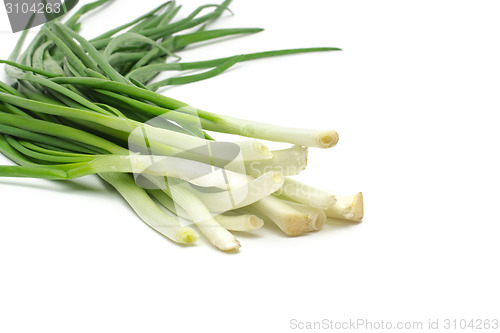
(78, 107)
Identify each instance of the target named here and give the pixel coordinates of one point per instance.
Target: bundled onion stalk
(78, 107)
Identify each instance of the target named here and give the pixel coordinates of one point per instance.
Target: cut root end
(356, 210)
(187, 236)
(347, 208)
(294, 224)
(230, 247)
(255, 222)
(327, 139)
(263, 150)
(278, 177)
(317, 221)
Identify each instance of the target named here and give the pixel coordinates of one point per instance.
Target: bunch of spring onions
(78, 107)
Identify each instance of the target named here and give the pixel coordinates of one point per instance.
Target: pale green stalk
(317, 216)
(236, 222)
(201, 216)
(265, 131)
(234, 198)
(291, 221)
(240, 222)
(306, 194)
(288, 162)
(147, 209)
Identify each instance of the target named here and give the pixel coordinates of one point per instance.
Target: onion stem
(259, 130)
(234, 198)
(202, 217)
(317, 216)
(291, 221)
(289, 162)
(234, 222)
(306, 194)
(147, 209)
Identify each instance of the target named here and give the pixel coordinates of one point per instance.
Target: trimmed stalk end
(187, 236)
(278, 177)
(263, 150)
(305, 156)
(255, 222)
(327, 139)
(294, 224)
(347, 208)
(317, 221)
(230, 246)
(355, 211)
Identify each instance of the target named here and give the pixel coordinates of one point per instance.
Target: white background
(414, 97)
